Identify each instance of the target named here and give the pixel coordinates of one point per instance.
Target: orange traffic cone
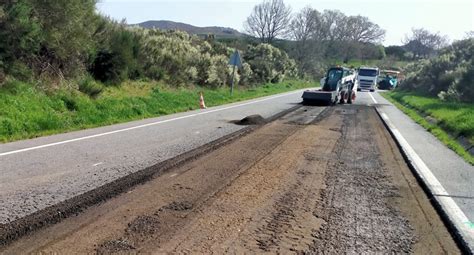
(201, 102)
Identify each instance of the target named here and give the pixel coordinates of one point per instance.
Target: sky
(449, 17)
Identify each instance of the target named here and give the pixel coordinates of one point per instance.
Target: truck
(389, 79)
(339, 85)
(367, 78)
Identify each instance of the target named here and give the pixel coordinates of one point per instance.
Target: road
(317, 180)
(449, 178)
(42, 172)
(336, 175)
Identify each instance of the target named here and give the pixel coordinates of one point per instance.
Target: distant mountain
(171, 25)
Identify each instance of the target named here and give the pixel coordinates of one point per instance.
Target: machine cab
(336, 78)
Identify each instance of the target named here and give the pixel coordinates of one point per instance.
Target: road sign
(235, 59)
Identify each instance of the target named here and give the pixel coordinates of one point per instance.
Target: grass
(452, 119)
(26, 112)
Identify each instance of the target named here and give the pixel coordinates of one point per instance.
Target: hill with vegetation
(190, 29)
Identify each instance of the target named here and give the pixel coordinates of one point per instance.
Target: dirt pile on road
(251, 120)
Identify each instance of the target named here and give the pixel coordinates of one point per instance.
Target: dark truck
(389, 79)
(337, 86)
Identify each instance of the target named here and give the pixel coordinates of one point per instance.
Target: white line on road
(373, 98)
(142, 126)
(453, 211)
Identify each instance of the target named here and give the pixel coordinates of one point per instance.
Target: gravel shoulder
(327, 180)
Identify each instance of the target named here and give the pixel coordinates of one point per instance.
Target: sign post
(235, 61)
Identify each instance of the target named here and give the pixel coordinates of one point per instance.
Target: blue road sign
(235, 59)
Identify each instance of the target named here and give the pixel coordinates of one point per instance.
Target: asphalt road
(41, 172)
(455, 174)
(452, 178)
(317, 180)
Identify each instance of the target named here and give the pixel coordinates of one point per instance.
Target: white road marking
(453, 211)
(98, 164)
(142, 126)
(373, 98)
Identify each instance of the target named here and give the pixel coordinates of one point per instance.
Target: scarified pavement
(318, 180)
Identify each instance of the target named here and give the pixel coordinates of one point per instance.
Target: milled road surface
(318, 180)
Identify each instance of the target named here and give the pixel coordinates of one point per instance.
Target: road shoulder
(434, 177)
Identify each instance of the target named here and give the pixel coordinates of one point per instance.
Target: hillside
(171, 25)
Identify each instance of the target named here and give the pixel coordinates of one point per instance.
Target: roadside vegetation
(450, 122)
(449, 75)
(438, 93)
(78, 68)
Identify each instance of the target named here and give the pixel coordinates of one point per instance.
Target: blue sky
(450, 17)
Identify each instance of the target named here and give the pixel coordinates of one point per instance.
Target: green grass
(452, 118)
(26, 112)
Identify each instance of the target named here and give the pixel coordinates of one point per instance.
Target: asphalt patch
(145, 225)
(115, 246)
(179, 206)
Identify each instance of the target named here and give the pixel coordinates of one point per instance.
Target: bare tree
(423, 43)
(331, 25)
(303, 29)
(269, 20)
(361, 29)
(469, 35)
(305, 24)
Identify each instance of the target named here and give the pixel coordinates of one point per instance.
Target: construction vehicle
(389, 79)
(367, 78)
(338, 86)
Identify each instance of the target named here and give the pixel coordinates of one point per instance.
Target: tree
(117, 58)
(304, 24)
(269, 20)
(469, 35)
(348, 36)
(361, 29)
(303, 29)
(330, 29)
(67, 28)
(423, 43)
(395, 51)
(20, 35)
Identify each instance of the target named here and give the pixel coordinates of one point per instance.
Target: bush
(117, 60)
(90, 87)
(77, 42)
(246, 74)
(269, 64)
(448, 76)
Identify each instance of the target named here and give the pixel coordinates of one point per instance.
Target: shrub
(448, 76)
(246, 74)
(90, 87)
(117, 60)
(269, 64)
